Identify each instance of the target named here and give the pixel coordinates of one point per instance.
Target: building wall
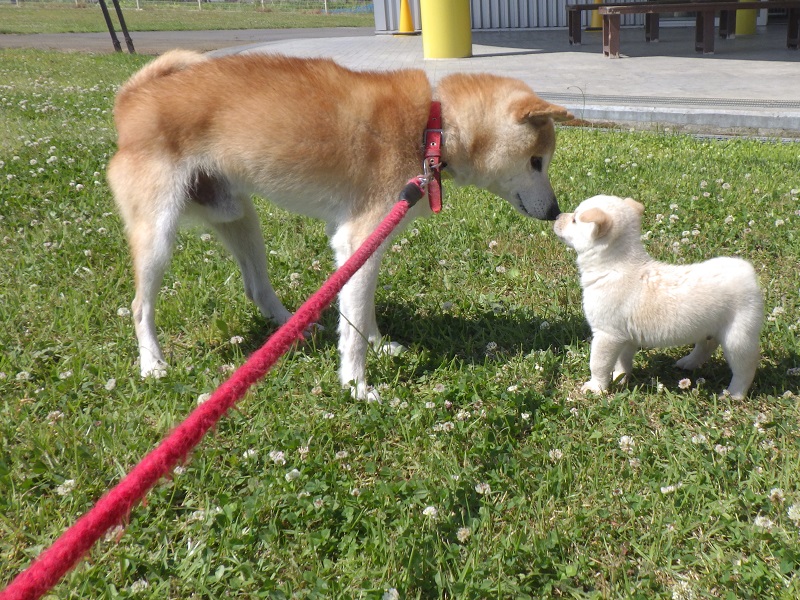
(494, 14)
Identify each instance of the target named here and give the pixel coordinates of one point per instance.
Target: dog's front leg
(604, 354)
(358, 328)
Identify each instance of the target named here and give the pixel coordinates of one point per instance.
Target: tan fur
(198, 136)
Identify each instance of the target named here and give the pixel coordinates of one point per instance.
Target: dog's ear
(600, 218)
(637, 206)
(532, 108)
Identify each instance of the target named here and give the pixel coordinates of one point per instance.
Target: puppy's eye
(536, 163)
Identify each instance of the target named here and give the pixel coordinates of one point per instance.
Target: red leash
(112, 508)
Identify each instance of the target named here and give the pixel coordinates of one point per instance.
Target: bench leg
(651, 21)
(611, 35)
(574, 26)
(727, 24)
(793, 31)
(704, 32)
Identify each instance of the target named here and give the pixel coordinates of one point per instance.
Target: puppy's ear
(532, 108)
(600, 218)
(637, 206)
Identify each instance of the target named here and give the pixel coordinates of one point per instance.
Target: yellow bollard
(596, 22)
(446, 28)
(746, 21)
(406, 24)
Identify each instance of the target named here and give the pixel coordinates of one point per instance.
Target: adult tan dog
(632, 301)
(198, 136)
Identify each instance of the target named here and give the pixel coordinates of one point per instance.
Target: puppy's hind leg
(699, 355)
(244, 240)
(740, 346)
(624, 364)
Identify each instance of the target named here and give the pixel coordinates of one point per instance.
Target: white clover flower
(123, 312)
(110, 384)
(328, 416)
(776, 495)
(682, 591)
(430, 511)
(763, 522)
(512, 388)
(391, 594)
(292, 475)
(237, 339)
(668, 489)
(139, 586)
(492, 245)
(555, 454)
(206, 237)
(342, 454)
(626, 444)
(54, 416)
(685, 383)
(65, 375)
(203, 398)
(277, 457)
(179, 470)
(699, 438)
(65, 489)
(463, 534)
(483, 489)
(793, 512)
(249, 453)
(23, 376)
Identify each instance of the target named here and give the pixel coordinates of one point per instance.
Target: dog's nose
(553, 212)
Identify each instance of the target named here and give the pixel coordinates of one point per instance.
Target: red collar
(432, 163)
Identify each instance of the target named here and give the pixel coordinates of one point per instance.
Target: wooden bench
(704, 21)
(574, 17)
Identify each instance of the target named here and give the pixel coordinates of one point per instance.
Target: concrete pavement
(750, 86)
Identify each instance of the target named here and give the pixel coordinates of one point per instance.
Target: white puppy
(633, 301)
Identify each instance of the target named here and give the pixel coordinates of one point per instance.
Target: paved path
(751, 85)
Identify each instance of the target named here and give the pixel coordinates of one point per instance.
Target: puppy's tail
(166, 64)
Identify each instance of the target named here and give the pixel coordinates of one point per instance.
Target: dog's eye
(536, 163)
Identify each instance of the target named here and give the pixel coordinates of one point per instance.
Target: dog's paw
(593, 387)
(391, 348)
(156, 370)
(362, 391)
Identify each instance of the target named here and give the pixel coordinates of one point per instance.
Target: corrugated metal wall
(495, 14)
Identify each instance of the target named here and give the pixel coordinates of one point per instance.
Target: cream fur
(633, 301)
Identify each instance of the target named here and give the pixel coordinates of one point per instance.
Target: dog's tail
(166, 64)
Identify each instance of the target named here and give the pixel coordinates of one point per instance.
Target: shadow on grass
(440, 338)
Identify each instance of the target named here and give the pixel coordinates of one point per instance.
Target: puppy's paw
(391, 348)
(592, 386)
(687, 363)
(619, 377)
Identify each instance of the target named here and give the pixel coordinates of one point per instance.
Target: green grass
(537, 492)
(32, 17)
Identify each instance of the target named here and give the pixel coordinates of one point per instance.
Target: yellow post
(446, 28)
(406, 24)
(596, 21)
(746, 21)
